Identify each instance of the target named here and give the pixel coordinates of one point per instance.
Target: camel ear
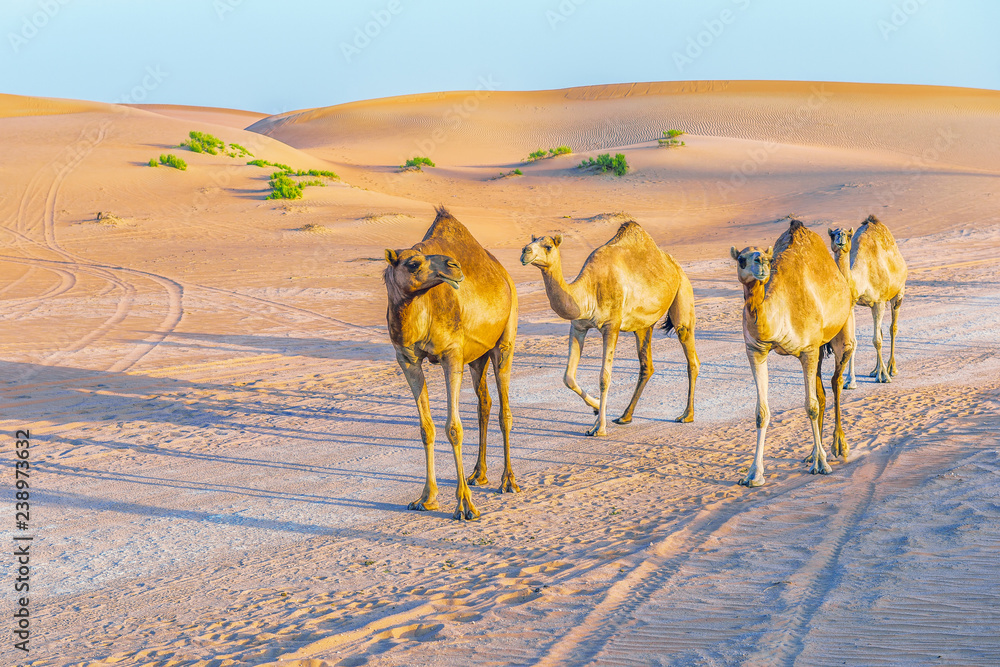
(533, 238)
(769, 252)
(734, 252)
(391, 256)
(850, 232)
(829, 230)
(557, 239)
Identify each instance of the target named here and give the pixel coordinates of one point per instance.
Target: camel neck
(754, 295)
(843, 257)
(561, 295)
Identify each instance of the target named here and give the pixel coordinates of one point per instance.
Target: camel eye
(548, 248)
(413, 266)
(743, 262)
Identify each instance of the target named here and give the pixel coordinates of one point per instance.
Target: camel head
(840, 240)
(411, 272)
(752, 264)
(542, 251)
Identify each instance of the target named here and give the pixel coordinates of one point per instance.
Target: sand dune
(225, 446)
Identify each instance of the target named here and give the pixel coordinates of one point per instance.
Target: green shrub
(541, 153)
(605, 163)
(318, 172)
(201, 142)
(235, 150)
(173, 161)
(153, 162)
(417, 163)
(518, 172)
(283, 187)
(669, 139)
(265, 163)
(306, 184)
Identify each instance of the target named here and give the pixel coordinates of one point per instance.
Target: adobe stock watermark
(920, 164)
(706, 38)
(363, 35)
(139, 92)
(32, 23)
(900, 16)
(757, 157)
(452, 118)
(562, 12)
(223, 7)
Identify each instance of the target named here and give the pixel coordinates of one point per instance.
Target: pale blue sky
(273, 57)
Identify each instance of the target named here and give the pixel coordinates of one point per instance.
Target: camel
(796, 303)
(878, 275)
(432, 317)
(627, 284)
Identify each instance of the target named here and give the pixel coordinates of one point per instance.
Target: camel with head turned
(628, 284)
(878, 275)
(796, 302)
(432, 316)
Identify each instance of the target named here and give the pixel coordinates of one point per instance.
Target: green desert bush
(201, 142)
(605, 163)
(172, 160)
(306, 184)
(670, 139)
(517, 172)
(542, 153)
(266, 163)
(417, 163)
(283, 187)
(318, 172)
(153, 162)
(235, 150)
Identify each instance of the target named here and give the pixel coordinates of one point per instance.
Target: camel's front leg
(610, 332)
(880, 372)
(810, 368)
(478, 368)
(452, 365)
(850, 381)
(758, 366)
(414, 373)
(843, 351)
(644, 347)
(576, 338)
(896, 302)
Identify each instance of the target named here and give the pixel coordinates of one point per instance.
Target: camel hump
(630, 232)
(796, 234)
(872, 220)
(446, 227)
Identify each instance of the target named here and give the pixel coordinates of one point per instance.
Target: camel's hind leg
(576, 338)
(758, 366)
(843, 345)
(880, 372)
(644, 347)
(414, 374)
(681, 313)
(478, 368)
(896, 302)
(810, 369)
(503, 355)
(610, 332)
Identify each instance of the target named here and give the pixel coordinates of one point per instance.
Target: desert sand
(223, 445)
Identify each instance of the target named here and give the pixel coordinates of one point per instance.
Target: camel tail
(668, 325)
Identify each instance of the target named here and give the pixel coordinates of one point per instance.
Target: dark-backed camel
(796, 302)
(431, 316)
(627, 284)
